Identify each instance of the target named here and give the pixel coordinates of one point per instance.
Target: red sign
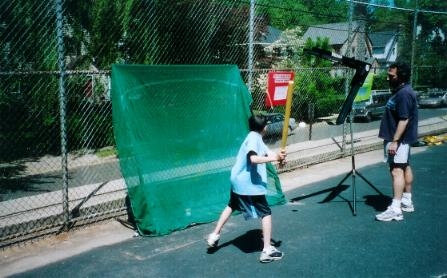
(277, 85)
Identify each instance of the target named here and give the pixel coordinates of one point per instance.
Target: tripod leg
(369, 183)
(341, 182)
(354, 195)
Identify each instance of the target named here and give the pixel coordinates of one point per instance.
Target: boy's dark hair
(403, 71)
(257, 123)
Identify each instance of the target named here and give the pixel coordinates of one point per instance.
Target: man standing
(399, 129)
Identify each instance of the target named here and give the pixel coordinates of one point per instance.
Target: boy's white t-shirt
(247, 178)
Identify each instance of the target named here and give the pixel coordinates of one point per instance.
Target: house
(268, 36)
(268, 46)
(337, 33)
(380, 47)
(384, 47)
(275, 45)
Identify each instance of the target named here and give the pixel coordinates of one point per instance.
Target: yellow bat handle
(285, 127)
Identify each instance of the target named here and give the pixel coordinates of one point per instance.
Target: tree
(28, 101)
(288, 14)
(98, 27)
(431, 51)
(316, 90)
(430, 44)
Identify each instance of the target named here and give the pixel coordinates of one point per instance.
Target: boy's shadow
(249, 242)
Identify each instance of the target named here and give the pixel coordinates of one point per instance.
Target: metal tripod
(353, 174)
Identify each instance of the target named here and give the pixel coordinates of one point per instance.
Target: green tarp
(178, 129)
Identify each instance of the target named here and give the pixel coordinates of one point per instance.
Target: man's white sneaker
(212, 239)
(389, 215)
(407, 207)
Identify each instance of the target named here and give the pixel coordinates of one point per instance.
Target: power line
(396, 8)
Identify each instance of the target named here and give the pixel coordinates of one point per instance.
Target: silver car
(373, 107)
(275, 122)
(433, 99)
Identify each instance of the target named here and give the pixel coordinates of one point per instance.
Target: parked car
(373, 107)
(275, 123)
(433, 99)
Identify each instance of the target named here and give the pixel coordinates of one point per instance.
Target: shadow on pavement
(250, 242)
(378, 202)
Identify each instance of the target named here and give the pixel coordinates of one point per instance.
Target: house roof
(270, 36)
(336, 32)
(380, 39)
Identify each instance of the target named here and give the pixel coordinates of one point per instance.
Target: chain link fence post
(62, 109)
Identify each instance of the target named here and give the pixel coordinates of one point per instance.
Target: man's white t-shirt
(247, 178)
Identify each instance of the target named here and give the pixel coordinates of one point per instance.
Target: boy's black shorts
(251, 206)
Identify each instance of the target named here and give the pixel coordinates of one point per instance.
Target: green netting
(178, 129)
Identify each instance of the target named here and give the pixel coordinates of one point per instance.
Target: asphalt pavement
(316, 229)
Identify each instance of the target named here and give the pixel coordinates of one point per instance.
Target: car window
(274, 118)
(381, 98)
(435, 95)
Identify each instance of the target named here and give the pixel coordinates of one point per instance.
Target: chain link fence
(58, 164)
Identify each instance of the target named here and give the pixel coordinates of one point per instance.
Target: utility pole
(413, 42)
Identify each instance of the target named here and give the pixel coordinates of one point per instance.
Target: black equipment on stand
(361, 71)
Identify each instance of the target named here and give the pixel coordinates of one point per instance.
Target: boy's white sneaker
(212, 239)
(271, 254)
